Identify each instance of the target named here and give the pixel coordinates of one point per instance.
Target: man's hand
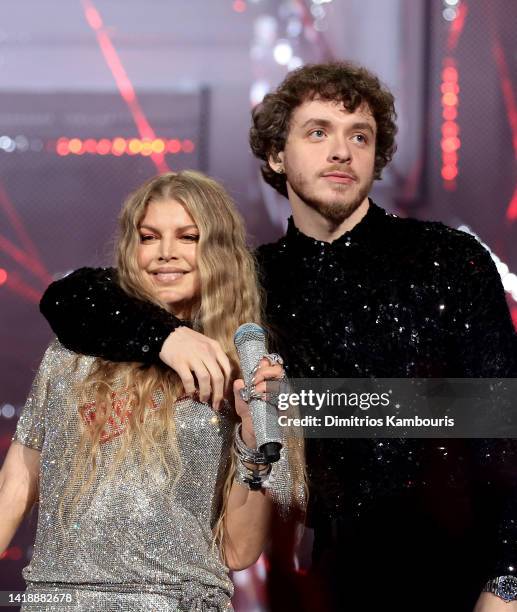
(265, 372)
(488, 602)
(190, 353)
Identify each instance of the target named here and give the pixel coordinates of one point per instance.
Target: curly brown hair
(343, 82)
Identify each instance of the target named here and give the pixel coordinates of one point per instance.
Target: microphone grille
(247, 332)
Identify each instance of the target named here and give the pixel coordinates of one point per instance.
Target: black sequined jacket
(392, 298)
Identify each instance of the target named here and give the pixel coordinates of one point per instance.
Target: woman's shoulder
(59, 361)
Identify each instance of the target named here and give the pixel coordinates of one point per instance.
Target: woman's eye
(146, 237)
(191, 237)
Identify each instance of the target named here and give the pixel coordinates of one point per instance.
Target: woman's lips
(168, 277)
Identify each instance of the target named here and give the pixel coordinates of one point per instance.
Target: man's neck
(312, 223)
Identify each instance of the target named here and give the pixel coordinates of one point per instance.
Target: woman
(143, 491)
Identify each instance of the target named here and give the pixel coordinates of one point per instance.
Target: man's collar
(368, 225)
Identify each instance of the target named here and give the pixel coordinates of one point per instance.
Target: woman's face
(167, 255)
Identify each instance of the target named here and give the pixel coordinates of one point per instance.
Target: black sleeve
(488, 346)
(91, 314)
(487, 340)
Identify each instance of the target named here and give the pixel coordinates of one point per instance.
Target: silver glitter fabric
(138, 543)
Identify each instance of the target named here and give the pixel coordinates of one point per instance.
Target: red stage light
(450, 99)
(450, 128)
(449, 87)
(239, 6)
(450, 74)
(13, 554)
(93, 18)
(5, 443)
(62, 146)
(75, 146)
(449, 173)
(3, 276)
(173, 146)
(147, 147)
(135, 146)
(450, 113)
(103, 146)
(449, 158)
(514, 316)
(511, 213)
(118, 146)
(450, 144)
(90, 146)
(124, 85)
(158, 146)
(188, 146)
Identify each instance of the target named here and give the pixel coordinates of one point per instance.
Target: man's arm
(486, 338)
(91, 314)
(488, 602)
(487, 344)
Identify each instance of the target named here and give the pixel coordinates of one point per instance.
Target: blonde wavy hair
(229, 296)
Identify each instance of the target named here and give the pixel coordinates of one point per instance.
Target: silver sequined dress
(137, 544)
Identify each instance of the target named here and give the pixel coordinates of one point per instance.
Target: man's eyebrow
(358, 125)
(362, 125)
(316, 121)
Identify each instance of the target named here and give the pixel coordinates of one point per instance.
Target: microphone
(250, 342)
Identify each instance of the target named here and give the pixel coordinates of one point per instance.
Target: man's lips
(339, 177)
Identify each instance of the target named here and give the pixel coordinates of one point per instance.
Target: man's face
(329, 158)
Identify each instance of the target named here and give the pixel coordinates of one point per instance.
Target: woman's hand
(191, 354)
(265, 372)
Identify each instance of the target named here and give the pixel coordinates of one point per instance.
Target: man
(355, 292)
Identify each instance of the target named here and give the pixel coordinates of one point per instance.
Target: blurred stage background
(98, 95)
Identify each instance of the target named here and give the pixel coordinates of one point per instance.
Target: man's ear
(276, 162)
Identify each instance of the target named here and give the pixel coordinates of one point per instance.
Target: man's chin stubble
(336, 211)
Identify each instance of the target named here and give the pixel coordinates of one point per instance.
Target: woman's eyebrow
(153, 229)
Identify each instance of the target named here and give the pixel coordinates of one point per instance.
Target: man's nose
(339, 151)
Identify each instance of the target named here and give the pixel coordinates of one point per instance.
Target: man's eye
(317, 133)
(361, 138)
